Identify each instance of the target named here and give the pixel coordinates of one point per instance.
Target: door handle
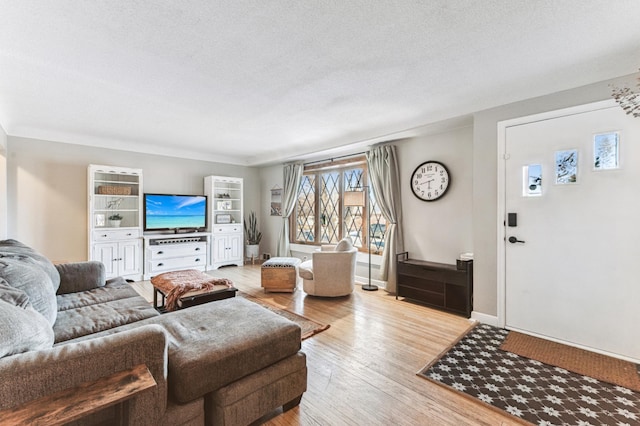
(514, 240)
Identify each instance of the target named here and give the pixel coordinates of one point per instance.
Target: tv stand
(174, 252)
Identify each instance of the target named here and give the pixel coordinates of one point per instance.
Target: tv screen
(165, 211)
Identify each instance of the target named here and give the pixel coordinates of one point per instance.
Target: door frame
(501, 182)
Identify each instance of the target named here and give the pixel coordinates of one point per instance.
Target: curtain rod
(334, 158)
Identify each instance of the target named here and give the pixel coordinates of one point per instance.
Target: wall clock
(430, 181)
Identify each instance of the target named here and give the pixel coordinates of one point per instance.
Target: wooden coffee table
(194, 297)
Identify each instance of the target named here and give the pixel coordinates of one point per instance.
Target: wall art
(567, 167)
(606, 151)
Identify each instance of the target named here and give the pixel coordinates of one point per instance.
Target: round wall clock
(430, 181)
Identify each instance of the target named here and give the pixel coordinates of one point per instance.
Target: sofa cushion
(305, 270)
(22, 329)
(24, 273)
(115, 289)
(13, 247)
(93, 318)
(81, 276)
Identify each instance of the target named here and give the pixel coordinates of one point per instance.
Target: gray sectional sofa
(228, 362)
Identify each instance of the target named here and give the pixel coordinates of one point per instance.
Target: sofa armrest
(80, 276)
(25, 377)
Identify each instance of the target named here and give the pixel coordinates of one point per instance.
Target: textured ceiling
(253, 82)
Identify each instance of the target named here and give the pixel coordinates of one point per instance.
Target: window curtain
(292, 176)
(385, 182)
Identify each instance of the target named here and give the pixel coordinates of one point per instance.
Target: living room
(43, 173)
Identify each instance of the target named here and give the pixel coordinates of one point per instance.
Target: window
(321, 216)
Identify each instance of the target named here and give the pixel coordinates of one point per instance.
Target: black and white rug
(528, 389)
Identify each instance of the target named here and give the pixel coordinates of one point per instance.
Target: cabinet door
(234, 247)
(107, 253)
(220, 252)
(129, 257)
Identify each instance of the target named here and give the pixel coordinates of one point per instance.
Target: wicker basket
(114, 190)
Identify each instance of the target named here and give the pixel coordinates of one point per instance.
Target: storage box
(114, 190)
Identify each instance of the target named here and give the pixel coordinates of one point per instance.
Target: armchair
(331, 271)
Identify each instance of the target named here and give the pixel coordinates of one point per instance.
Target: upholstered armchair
(331, 271)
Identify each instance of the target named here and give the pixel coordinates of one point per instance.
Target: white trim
(484, 318)
(501, 170)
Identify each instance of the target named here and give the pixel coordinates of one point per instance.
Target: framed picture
(606, 151)
(532, 181)
(276, 201)
(223, 218)
(224, 205)
(99, 219)
(567, 167)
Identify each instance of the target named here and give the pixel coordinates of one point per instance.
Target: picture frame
(566, 162)
(223, 218)
(224, 205)
(276, 201)
(606, 151)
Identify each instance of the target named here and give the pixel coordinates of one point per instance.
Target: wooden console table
(72, 404)
(437, 285)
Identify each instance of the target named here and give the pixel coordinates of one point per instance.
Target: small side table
(280, 274)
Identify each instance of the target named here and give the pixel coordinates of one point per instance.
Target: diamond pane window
(330, 208)
(323, 215)
(306, 210)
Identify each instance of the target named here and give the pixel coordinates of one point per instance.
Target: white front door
(570, 266)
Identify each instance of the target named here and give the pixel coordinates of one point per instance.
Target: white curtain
(292, 176)
(385, 182)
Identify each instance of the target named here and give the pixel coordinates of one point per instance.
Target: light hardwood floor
(362, 370)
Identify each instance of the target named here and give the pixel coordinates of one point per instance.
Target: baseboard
(484, 318)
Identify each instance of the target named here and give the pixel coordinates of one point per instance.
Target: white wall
(3, 184)
(485, 191)
(440, 230)
(47, 189)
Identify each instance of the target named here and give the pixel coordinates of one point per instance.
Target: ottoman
(280, 274)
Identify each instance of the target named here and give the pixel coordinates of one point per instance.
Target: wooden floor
(362, 370)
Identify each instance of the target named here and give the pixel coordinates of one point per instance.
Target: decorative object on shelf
(114, 190)
(99, 218)
(224, 205)
(253, 236)
(115, 220)
(224, 195)
(430, 181)
(223, 218)
(628, 100)
(361, 199)
(276, 201)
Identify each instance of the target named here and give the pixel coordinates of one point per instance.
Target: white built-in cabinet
(115, 192)
(225, 220)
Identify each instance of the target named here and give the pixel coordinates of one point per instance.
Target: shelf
(114, 195)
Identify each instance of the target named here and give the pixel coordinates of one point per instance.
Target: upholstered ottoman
(280, 274)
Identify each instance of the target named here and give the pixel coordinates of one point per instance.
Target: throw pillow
(344, 245)
(12, 295)
(14, 247)
(23, 330)
(22, 273)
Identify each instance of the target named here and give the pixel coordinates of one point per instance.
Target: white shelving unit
(225, 220)
(115, 192)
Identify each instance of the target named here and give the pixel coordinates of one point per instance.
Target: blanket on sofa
(175, 285)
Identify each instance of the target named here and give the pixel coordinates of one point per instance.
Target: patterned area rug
(309, 327)
(528, 389)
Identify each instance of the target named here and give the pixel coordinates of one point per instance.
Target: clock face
(430, 181)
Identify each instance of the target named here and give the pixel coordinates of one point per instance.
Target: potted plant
(114, 220)
(253, 236)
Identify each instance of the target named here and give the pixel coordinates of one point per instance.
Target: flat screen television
(163, 212)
